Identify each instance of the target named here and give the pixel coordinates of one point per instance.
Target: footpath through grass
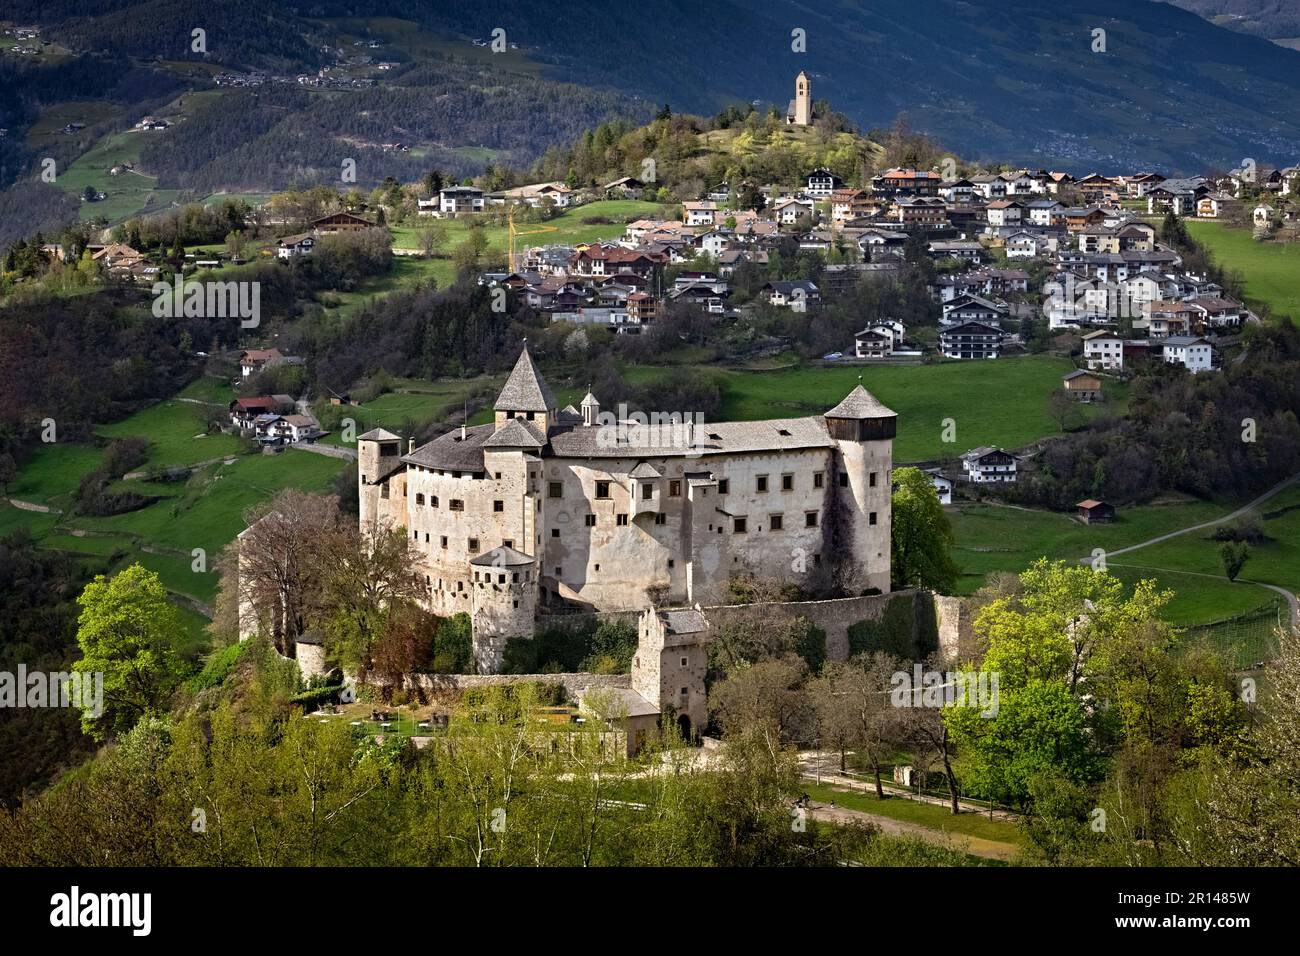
(904, 810)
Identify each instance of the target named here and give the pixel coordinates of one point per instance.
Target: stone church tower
(800, 111)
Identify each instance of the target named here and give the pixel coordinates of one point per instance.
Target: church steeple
(526, 395)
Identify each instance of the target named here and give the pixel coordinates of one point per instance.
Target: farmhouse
(1191, 352)
(971, 340)
(341, 222)
(548, 507)
(1103, 350)
(291, 247)
(455, 200)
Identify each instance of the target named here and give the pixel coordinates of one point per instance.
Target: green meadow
(1271, 269)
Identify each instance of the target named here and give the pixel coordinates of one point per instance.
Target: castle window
(683, 664)
(647, 492)
(817, 560)
(555, 489)
(508, 544)
(456, 504)
(415, 535)
(555, 532)
(674, 489)
(497, 476)
(818, 479)
(776, 522)
(383, 490)
(501, 579)
(760, 483)
(557, 570)
(589, 521)
(671, 564)
(460, 585)
(531, 416)
(685, 692)
(602, 489)
(515, 577)
(622, 520)
(419, 499)
(661, 519)
(871, 518)
(455, 474)
(444, 541)
(433, 501)
(810, 519)
(740, 526)
(473, 545)
(871, 480)
(426, 537)
(787, 482)
(724, 485)
(516, 603)
(498, 505)
(844, 479)
(598, 567)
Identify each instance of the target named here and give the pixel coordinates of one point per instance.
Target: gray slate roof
(501, 557)
(516, 433)
(860, 404)
(525, 390)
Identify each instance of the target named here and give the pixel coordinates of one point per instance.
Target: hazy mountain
(1276, 19)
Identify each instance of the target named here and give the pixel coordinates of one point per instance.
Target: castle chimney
(410, 445)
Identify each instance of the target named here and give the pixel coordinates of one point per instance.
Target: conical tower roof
(525, 390)
(860, 404)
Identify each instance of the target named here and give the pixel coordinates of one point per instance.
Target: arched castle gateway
(560, 507)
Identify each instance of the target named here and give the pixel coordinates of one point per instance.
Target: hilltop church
(800, 111)
(549, 508)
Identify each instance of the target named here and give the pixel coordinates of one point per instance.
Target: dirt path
(1292, 601)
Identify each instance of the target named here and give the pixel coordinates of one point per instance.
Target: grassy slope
(1272, 269)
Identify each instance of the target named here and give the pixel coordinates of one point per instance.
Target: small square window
(740, 525)
(555, 489)
(724, 485)
(787, 482)
(555, 532)
(590, 521)
(622, 520)
(473, 545)
(818, 479)
(456, 504)
(647, 492)
(760, 483)
(507, 543)
(674, 489)
(871, 480)
(671, 564)
(498, 506)
(661, 519)
(844, 479)
(776, 522)
(419, 499)
(602, 489)
(810, 519)
(443, 542)
(871, 518)
(683, 662)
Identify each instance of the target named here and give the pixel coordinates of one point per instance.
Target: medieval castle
(551, 507)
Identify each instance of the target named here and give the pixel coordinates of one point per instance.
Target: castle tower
(864, 430)
(670, 662)
(379, 454)
(526, 395)
(800, 111)
(504, 583)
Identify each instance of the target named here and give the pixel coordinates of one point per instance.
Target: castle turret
(590, 410)
(379, 455)
(504, 603)
(864, 430)
(670, 663)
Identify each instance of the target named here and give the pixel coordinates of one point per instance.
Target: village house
(943, 485)
(821, 183)
(1103, 351)
(340, 222)
(1191, 352)
(796, 294)
(290, 247)
(972, 308)
(906, 182)
(988, 466)
(971, 340)
(459, 200)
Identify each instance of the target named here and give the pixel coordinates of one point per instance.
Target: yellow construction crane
(510, 222)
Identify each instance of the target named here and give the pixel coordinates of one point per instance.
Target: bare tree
(855, 711)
